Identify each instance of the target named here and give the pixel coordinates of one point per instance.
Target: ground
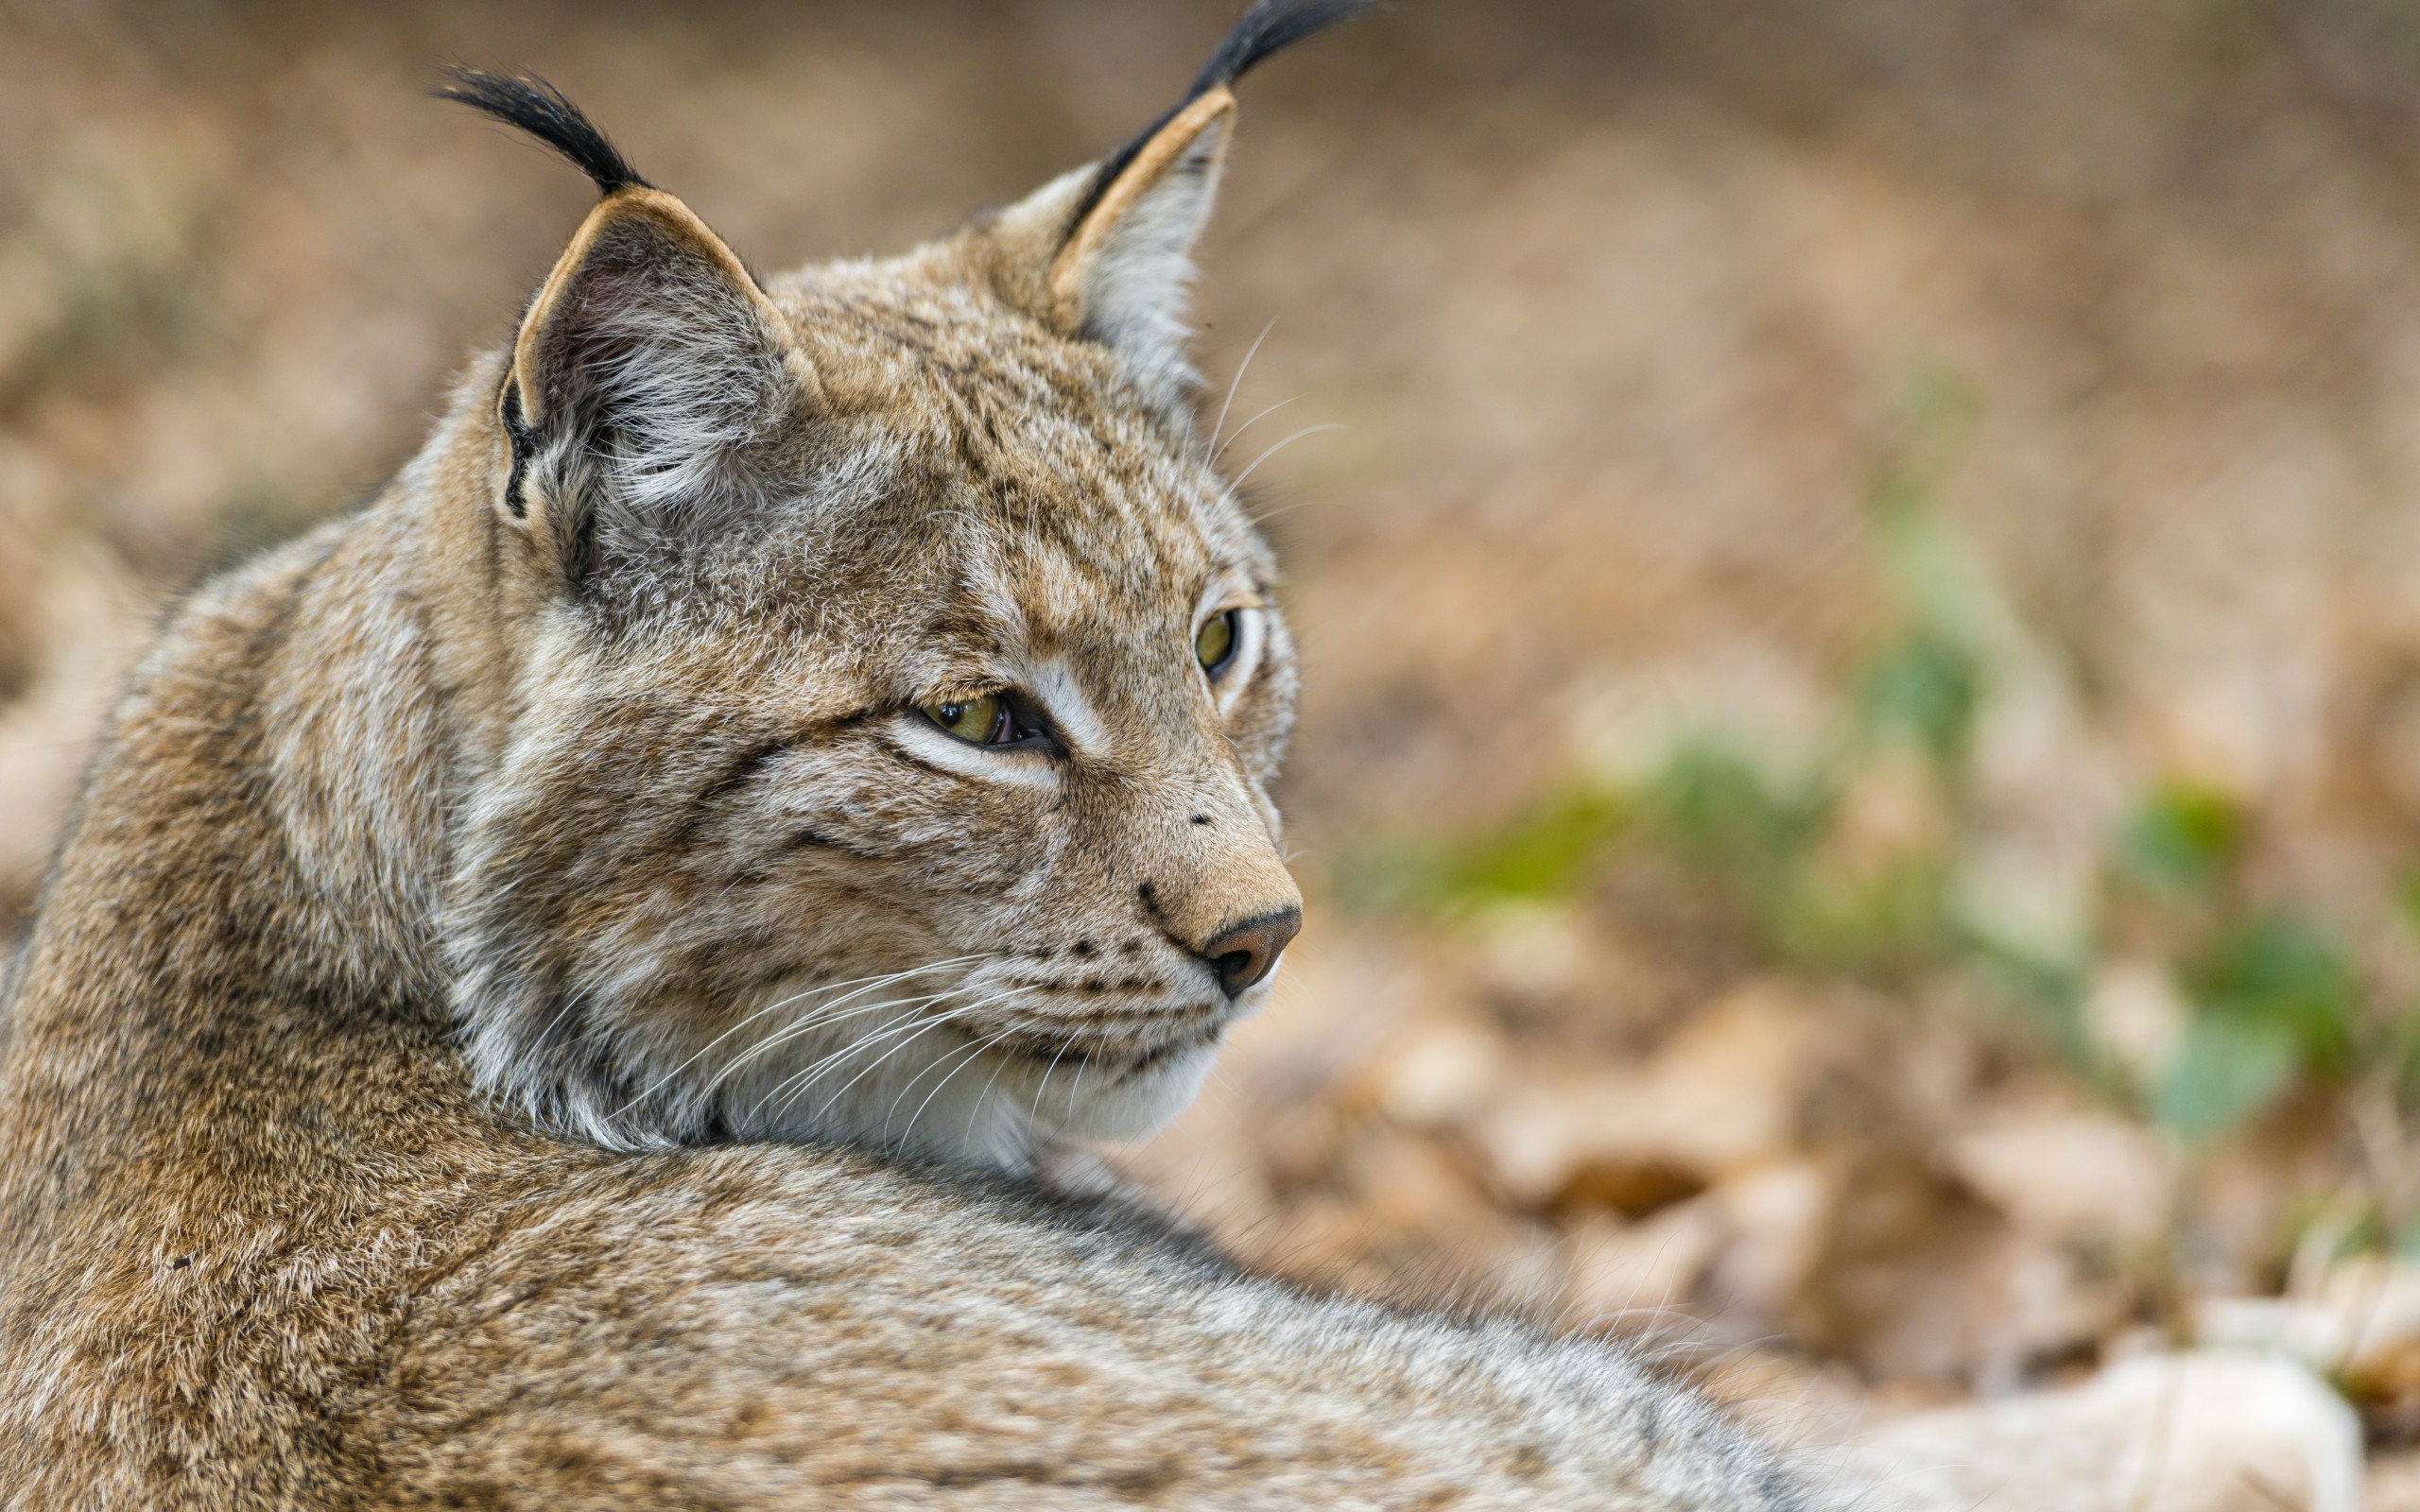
(1859, 772)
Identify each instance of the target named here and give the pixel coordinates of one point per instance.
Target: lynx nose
(1246, 954)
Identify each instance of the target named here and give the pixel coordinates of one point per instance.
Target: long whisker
(1076, 1089)
(912, 1031)
(869, 1036)
(1307, 430)
(830, 1013)
(805, 1076)
(553, 1022)
(1236, 382)
(983, 1096)
(1248, 425)
(963, 1051)
(792, 1086)
(1033, 1115)
(905, 1034)
(973, 1052)
(872, 983)
(826, 1013)
(1281, 511)
(790, 1033)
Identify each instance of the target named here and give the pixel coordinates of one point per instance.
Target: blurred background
(1860, 773)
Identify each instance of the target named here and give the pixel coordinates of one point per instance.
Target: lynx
(560, 980)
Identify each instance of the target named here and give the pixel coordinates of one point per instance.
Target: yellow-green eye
(984, 721)
(1214, 644)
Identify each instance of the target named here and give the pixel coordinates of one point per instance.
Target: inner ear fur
(646, 364)
(1112, 262)
(1155, 209)
(1106, 254)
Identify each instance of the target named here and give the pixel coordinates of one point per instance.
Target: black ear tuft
(1268, 26)
(541, 110)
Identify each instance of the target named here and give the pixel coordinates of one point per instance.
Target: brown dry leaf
(2071, 1176)
(1411, 1190)
(1734, 1261)
(1723, 1094)
(1778, 1219)
(1638, 1277)
(1917, 1275)
(1441, 1073)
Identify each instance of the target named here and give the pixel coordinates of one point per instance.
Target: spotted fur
(530, 1014)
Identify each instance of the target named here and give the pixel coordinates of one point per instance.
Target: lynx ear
(1106, 254)
(650, 359)
(1124, 275)
(647, 364)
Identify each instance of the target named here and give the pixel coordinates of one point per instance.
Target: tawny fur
(423, 1084)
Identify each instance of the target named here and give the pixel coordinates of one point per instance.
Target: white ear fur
(1124, 277)
(651, 329)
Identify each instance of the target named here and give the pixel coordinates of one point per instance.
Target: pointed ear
(647, 366)
(1119, 269)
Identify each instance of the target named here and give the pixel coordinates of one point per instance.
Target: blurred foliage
(2274, 1001)
(2182, 837)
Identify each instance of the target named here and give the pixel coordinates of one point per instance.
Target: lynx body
(558, 979)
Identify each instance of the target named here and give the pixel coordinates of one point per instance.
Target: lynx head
(894, 681)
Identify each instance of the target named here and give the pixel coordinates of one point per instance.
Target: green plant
(1783, 842)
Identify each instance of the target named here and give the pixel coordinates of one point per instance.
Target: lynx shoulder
(559, 978)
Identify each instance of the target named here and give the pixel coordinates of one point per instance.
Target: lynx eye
(985, 721)
(1215, 643)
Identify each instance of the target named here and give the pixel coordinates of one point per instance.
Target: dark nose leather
(1246, 954)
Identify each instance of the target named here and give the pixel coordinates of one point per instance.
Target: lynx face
(897, 686)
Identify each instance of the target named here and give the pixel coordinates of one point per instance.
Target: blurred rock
(2191, 1432)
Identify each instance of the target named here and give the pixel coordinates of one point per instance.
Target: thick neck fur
(241, 922)
(224, 1055)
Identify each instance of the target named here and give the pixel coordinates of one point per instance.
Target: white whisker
(906, 1034)
(1236, 382)
(799, 1029)
(1034, 1116)
(1307, 430)
(972, 1053)
(870, 983)
(1247, 425)
(806, 1075)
